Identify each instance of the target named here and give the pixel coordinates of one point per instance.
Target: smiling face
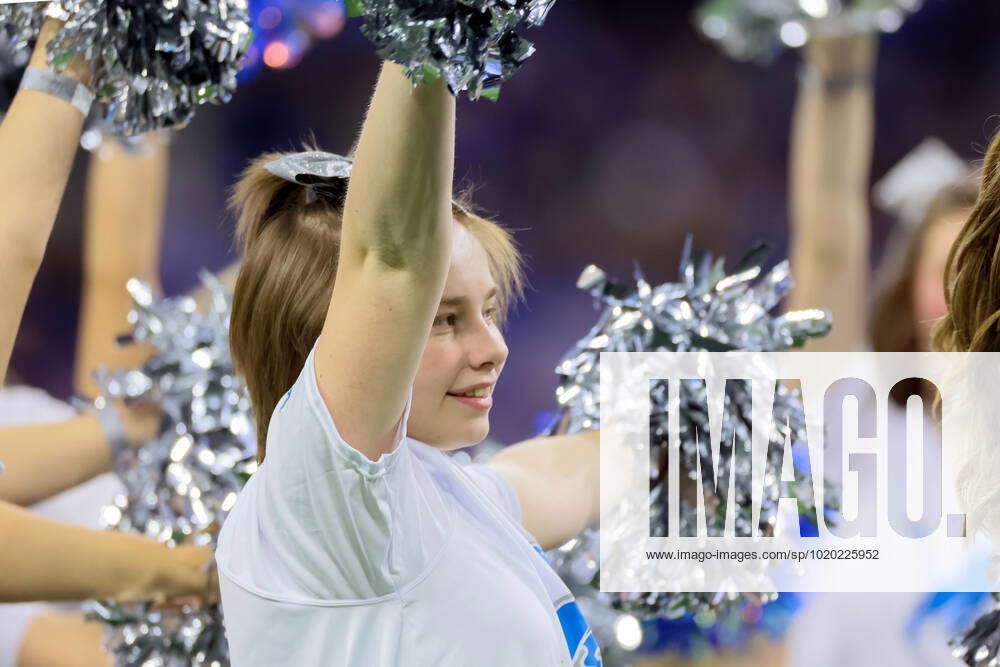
(465, 349)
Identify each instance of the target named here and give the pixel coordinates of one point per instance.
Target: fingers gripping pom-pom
(473, 44)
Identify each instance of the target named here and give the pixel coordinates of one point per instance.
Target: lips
(479, 402)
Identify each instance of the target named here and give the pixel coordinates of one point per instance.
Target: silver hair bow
(318, 168)
(311, 167)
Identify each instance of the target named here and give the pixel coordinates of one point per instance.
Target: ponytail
(290, 240)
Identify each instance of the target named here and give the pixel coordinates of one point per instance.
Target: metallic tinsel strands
(473, 44)
(153, 60)
(707, 309)
(181, 484)
(759, 29)
(980, 645)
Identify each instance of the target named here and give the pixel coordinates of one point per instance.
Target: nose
(487, 348)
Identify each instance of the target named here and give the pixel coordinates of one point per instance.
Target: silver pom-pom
(980, 645)
(154, 61)
(759, 29)
(707, 309)
(181, 484)
(473, 44)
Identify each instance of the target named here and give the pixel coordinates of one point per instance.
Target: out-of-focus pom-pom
(181, 484)
(707, 309)
(473, 44)
(759, 29)
(980, 645)
(154, 61)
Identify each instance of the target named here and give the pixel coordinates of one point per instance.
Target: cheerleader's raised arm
(38, 139)
(394, 257)
(832, 135)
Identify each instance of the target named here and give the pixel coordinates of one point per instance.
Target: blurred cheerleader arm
(832, 134)
(557, 482)
(38, 139)
(41, 460)
(80, 642)
(125, 199)
(48, 560)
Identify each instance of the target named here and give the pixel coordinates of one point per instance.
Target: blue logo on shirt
(580, 641)
(285, 400)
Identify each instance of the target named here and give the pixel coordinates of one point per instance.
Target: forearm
(557, 481)
(832, 139)
(48, 560)
(41, 460)
(38, 139)
(398, 206)
(126, 195)
(65, 640)
(104, 308)
(124, 213)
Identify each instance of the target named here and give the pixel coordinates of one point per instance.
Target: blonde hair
(289, 236)
(972, 324)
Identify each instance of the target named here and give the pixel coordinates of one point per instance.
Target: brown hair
(892, 322)
(892, 326)
(289, 235)
(972, 272)
(972, 294)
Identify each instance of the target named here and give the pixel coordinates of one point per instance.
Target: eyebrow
(460, 300)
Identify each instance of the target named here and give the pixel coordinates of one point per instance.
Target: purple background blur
(624, 132)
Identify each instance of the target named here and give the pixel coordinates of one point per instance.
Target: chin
(465, 435)
(470, 434)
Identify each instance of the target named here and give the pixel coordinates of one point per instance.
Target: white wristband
(57, 85)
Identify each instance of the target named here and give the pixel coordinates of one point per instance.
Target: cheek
(928, 296)
(435, 375)
(928, 283)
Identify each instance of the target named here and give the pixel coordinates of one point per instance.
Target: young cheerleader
(367, 326)
(832, 145)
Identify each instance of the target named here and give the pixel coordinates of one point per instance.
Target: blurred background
(625, 132)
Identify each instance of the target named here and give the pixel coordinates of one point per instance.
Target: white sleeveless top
(419, 558)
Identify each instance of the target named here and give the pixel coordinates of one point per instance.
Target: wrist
(144, 570)
(184, 571)
(152, 571)
(835, 55)
(77, 69)
(814, 79)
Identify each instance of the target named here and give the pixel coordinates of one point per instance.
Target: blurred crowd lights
(285, 29)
